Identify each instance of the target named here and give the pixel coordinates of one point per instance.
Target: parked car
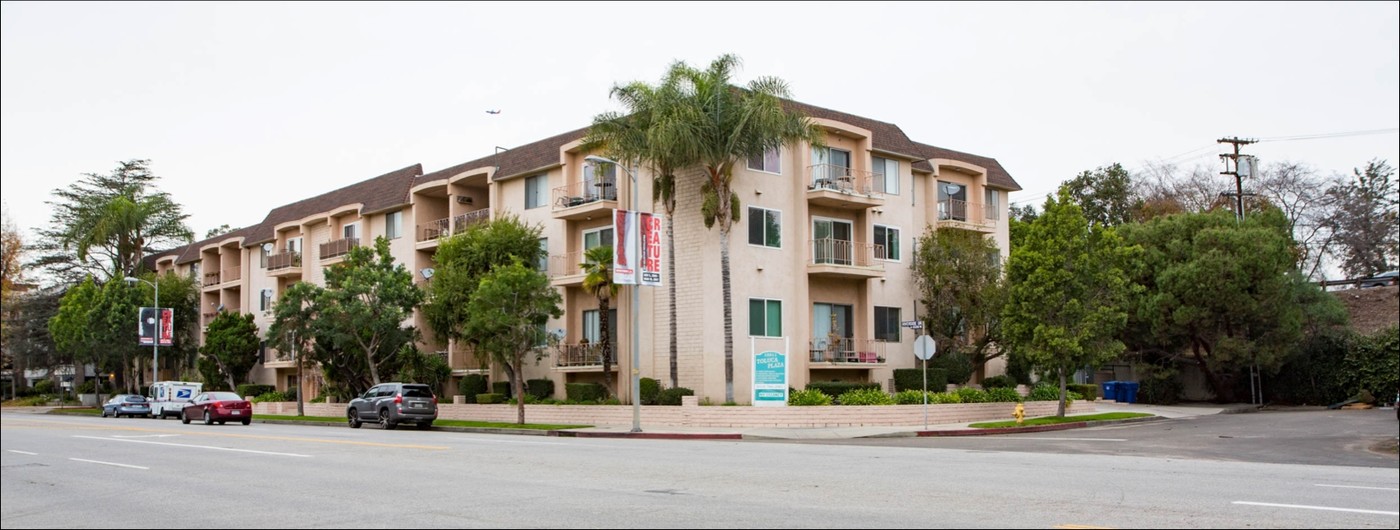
(1381, 280)
(126, 405)
(390, 404)
(218, 407)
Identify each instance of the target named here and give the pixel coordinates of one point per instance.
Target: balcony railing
(847, 350)
(433, 229)
(232, 274)
(580, 355)
(461, 222)
(565, 264)
(584, 192)
(283, 260)
(211, 278)
(339, 247)
(848, 253)
(840, 179)
(966, 212)
(209, 316)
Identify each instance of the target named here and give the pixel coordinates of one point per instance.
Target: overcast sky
(243, 107)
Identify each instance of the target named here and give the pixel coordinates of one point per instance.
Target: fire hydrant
(1020, 413)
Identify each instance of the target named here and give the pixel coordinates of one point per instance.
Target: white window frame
(265, 300)
(777, 152)
(601, 241)
(889, 178)
(393, 225)
(765, 244)
(898, 334)
(543, 264)
(898, 233)
(350, 227)
(766, 301)
(542, 184)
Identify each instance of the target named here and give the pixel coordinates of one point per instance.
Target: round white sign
(924, 347)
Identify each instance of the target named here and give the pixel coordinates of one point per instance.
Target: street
(62, 471)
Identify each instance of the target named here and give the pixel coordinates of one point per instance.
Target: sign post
(924, 349)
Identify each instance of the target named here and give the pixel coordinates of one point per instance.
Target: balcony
(209, 316)
(835, 258)
(284, 264)
(585, 199)
(846, 353)
(462, 360)
(335, 249)
(564, 270)
(280, 361)
(842, 187)
(211, 281)
(461, 222)
(954, 213)
(231, 276)
(582, 357)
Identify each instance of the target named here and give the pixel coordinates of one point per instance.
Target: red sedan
(218, 407)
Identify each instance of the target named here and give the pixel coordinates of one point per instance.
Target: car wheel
(221, 422)
(247, 421)
(353, 418)
(384, 420)
(104, 413)
(208, 420)
(184, 418)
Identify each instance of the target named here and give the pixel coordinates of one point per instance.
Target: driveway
(1288, 436)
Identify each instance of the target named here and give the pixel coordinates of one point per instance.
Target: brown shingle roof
(996, 175)
(378, 193)
(529, 157)
(190, 252)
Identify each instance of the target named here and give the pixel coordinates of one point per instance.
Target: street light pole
(636, 301)
(155, 342)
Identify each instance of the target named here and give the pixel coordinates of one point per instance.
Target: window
(886, 175)
(592, 326)
(350, 231)
(831, 169)
(263, 252)
(831, 242)
(887, 324)
(262, 352)
(543, 263)
(294, 245)
(952, 202)
(265, 301)
(534, 191)
(597, 237)
(768, 162)
(765, 317)
(393, 225)
(993, 209)
(886, 243)
(765, 227)
(600, 182)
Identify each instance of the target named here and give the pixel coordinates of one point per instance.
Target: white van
(168, 398)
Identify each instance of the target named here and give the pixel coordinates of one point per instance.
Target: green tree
(720, 126)
(362, 309)
(597, 281)
(232, 346)
(293, 333)
(1104, 194)
(29, 343)
(1068, 292)
(960, 284)
(221, 230)
(103, 225)
(508, 312)
(1367, 222)
(95, 324)
(1228, 291)
(646, 132)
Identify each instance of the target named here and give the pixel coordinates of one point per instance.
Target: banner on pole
(146, 326)
(636, 248)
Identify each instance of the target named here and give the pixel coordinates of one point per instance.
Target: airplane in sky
(497, 111)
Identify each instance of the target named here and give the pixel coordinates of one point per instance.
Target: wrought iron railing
(841, 252)
(461, 222)
(578, 355)
(847, 350)
(585, 191)
(840, 179)
(433, 229)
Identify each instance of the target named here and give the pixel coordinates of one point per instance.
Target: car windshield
(223, 396)
(418, 391)
(135, 399)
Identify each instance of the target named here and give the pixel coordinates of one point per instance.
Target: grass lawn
(438, 423)
(1052, 420)
(78, 411)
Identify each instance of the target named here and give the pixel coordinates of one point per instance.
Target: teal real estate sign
(770, 379)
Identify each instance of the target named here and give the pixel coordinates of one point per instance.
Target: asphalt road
(110, 473)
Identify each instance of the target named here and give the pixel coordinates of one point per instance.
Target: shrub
(1003, 395)
(585, 392)
(836, 388)
(944, 398)
(1044, 392)
(322, 399)
(539, 389)
(273, 396)
(253, 389)
(972, 395)
(865, 396)
(1372, 364)
(502, 388)
(490, 398)
(911, 379)
(957, 366)
(672, 396)
(1158, 385)
(650, 390)
(1088, 391)
(998, 381)
(911, 397)
(808, 398)
(44, 386)
(470, 385)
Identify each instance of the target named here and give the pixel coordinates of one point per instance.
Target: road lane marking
(23, 452)
(145, 436)
(1356, 487)
(183, 432)
(1079, 526)
(109, 463)
(127, 440)
(1065, 439)
(1306, 507)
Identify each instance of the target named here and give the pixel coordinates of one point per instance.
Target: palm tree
(719, 125)
(597, 280)
(644, 133)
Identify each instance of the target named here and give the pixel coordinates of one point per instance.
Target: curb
(1037, 428)
(474, 430)
(648, 435)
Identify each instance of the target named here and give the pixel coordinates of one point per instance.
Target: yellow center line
(7, 424)
(1079, 526)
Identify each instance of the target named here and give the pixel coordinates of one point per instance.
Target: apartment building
(820, 262)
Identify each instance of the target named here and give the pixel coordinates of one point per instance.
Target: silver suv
(390, 404)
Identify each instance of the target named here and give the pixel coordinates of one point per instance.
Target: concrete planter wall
(737, 417)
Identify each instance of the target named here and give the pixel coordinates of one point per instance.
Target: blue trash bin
(1128, 390)
(1110, 389)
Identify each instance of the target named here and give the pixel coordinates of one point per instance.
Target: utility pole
(1256, 380)
(1235, 158)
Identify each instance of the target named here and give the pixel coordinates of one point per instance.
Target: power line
(1330, 135)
